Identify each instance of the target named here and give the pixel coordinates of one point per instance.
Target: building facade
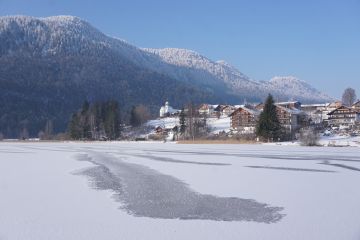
(244, 119)
(345, 116)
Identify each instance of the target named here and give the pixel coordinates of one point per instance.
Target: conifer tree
(268, 127)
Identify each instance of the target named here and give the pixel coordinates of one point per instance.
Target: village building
(290, 105)
(334, 105)
(290, 119)
(317, 113)
(260, 106)
(290, 116)
(224, 110)
(167, 110)
(356, 105)
(219, 108)
(345, 116)
(169, 133)
(207, 110)
(159, 130)
(244, 119)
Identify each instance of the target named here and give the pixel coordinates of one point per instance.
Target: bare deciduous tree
(139, 115)
(195, 124)
(309, 137)
(48, 129)
(24, 134)
(349, 97)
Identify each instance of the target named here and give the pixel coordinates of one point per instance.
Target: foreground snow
(171, 191)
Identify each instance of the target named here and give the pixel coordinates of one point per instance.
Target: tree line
(103, 120)
(96, 121)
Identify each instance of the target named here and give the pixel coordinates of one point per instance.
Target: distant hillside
(49, 66)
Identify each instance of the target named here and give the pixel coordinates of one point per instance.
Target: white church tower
(167, 109)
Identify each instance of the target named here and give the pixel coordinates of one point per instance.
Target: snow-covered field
(215, 125)
(170, 191)
(219, 125)
(168, 122)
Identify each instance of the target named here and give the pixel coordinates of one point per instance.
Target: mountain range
(49, 66)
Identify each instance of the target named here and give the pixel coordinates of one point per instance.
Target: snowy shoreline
(335, 141)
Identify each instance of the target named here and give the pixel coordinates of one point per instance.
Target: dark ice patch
(267, 156)
(292, 169)
(171, 160)
(145, 192)
(341, 166)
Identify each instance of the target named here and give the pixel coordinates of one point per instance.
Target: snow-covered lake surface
(171, 191)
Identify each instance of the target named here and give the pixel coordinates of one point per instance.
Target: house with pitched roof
(356, 105)
(345, 116)
(244, 119)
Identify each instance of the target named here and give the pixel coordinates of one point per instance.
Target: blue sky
(317, 41)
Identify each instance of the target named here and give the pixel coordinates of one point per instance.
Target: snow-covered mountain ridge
(189, 59)
(63, 35)
(283, 87)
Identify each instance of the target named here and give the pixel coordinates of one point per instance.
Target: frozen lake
(170, 191)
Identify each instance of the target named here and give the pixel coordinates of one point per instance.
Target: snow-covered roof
(315, 105)
(356, 104)
(251, 111)
(207, 106)
(286, 103)
(335, 104)
(238, 106)
(345, 108)
(290, 110)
